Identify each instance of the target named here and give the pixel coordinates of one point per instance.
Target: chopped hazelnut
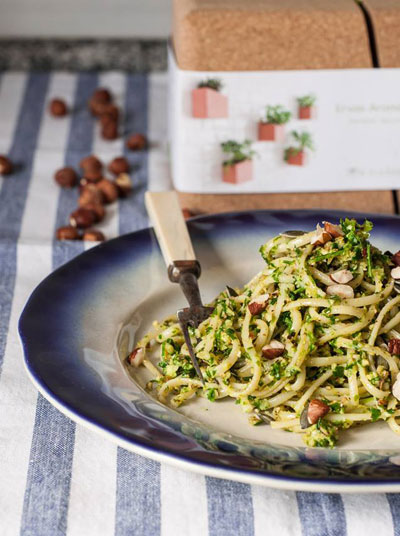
(343, 291)
(341, 276)
(320, 237)
(394, 346)
(136, 357)
(396, 388)
(259, 304)
(395, 272)
(316, 410)
(273, 349)
(334, 230)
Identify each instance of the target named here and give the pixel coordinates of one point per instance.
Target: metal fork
(183, 268)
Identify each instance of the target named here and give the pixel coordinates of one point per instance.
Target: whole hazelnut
(90, 194)
(99, 210)
(110, 131)
(105, 119)
(95, 106)
(6, 166)
(119, 165)
(136, 142)
(187, 213)
(82, 218)
(66, 177)
(92, 175)
(99, 98)
(84, 182)
(58, 108)
(67, 233)
(91, 162)
(101, 94)
(107, 112)
(124, 184)
(93, 235)
(108, 189)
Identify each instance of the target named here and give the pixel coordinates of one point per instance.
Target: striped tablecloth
(59, 478)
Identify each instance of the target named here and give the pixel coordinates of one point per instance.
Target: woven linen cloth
(57, 477)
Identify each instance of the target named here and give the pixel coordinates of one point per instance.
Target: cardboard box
(253, 35)
(263, 35)
(385, 18)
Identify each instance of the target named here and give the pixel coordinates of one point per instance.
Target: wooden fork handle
(169, 225)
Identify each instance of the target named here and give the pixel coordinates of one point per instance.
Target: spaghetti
(309, 345)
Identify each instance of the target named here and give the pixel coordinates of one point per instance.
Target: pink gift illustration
(295, 155)
(270, 132)
(238, 167)
(306, 106)
(208, 102)
(271, 128)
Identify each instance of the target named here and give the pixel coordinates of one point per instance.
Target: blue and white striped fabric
(56, 477)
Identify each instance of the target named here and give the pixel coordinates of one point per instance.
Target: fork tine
(185, 331)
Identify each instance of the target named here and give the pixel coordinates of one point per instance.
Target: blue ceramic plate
(82, 321)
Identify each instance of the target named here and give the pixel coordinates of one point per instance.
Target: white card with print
(284, 131)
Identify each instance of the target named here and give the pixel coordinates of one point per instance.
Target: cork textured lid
(385, 17)
(238, 35)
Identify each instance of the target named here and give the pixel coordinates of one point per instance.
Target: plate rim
(265, 478)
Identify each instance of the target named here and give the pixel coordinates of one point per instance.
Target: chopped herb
(369, 261)
(375, 414)
(338, 371)
(211, 394)
(336, 407)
